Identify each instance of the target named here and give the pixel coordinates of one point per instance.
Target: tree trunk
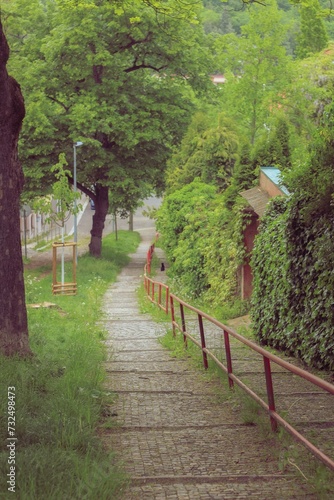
(101, 210)
(131, 221)
(13, 313)
(115, 223)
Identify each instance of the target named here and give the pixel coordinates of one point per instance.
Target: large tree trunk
(13, 313)
(101, 209)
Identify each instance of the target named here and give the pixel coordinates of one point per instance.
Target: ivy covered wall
(293, 269)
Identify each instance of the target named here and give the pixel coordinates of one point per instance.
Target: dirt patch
(242, 321)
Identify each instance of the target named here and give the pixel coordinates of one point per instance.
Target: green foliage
(313, 179)
(244, 177)
(282, 134)
(208, 151)
(273, 149)
(244, 174)
(107, 74)
(182, 220)
(224, 252)
(59, 392)
(313, 37)
(62, 193)
(292, 302)
(202, 238)
(257, 69)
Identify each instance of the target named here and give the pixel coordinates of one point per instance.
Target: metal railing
(159, 294)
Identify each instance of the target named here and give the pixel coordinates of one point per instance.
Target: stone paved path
(176, 437)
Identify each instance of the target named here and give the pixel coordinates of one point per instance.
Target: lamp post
(75, 146)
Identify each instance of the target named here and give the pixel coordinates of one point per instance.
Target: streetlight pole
(75, 146)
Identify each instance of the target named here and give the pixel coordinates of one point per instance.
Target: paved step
(170, 410)
(242, 488)
(195, 451)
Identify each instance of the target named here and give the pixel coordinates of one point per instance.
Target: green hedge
(202, 239)
(293, 297)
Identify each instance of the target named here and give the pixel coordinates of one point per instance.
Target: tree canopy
(118, 77)
(208, 151)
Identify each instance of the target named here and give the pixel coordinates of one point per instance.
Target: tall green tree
(244, 173)
(208, 151)
(118, 78)
(257, 69)
(313, 36)
(274, 148)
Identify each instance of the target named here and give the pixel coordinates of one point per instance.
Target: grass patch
(59, 392)
(147, 307)
(226, 311)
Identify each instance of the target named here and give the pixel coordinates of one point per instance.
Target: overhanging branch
(82, 188)
(59, 102)
(133, 42)
(135, 67)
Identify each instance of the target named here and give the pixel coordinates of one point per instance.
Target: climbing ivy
(225, 251)
(202, 238)
(293, 297)
(181, 220)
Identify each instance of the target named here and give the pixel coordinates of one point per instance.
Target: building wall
(272, 189)
(246, 273)
(267, 185)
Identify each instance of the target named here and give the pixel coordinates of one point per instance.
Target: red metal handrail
(149, 257)
(268, 358)
(154, 296)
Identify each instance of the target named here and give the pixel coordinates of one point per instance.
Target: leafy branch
(61, 204)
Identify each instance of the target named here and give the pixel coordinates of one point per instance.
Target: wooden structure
(257, 197)
(59, 288)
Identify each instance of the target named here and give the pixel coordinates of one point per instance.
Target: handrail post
(172, 313)
(270, 391)
(183, 325)
(153, 291)
(228, 358)
(159, 296)
(148, 262)
(167, 299)
(201, 331)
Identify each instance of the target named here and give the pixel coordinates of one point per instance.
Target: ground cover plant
(59, 392)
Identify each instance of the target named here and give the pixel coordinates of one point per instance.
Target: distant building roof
(257, 198)
(270, 185)
(216, 79)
